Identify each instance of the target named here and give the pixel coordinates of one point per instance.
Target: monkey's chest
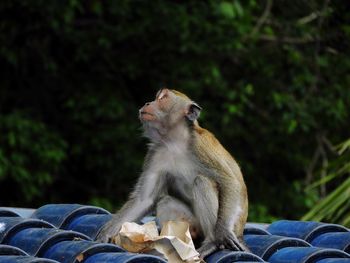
(181, 188)
(177, 163)
(181, 172)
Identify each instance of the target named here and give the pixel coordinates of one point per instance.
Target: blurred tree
(335, 207)
(272, 77)
(30, 155)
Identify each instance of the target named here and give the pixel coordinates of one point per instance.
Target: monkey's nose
(147, 103)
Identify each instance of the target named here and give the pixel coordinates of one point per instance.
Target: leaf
(330, 204)
(249, 89)
(323, 180)
(238, 8)
(293, 124)
(227, 9)
(96, 7)
(343, 147)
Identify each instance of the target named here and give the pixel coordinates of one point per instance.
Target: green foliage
(30, 154)
(271, 76)
(335, 207)
(260, 213)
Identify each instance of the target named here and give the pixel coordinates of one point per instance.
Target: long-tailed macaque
(188, 175)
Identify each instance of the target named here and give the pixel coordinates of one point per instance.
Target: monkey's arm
(139, 204)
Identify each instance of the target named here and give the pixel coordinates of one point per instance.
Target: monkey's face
(156, 110)
(169, 109)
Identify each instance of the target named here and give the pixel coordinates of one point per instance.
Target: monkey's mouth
(145, 113)
(146, 116)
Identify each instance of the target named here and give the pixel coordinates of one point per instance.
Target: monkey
(187, 176)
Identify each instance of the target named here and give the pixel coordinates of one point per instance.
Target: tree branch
(263, 18)
(310, 169)
(324, 165)
(307, 19)
(288, 40)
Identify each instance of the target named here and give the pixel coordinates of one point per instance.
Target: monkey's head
(169, 111)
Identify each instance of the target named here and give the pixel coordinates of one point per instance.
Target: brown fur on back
(219, 159)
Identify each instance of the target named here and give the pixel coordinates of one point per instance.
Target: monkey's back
(211, 152)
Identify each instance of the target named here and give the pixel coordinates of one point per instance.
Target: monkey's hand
(108, 232)
(225, 238)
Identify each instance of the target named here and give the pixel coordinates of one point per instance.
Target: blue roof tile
(226, 256)
(124, 258)
(88, 224)
(60, 215)
(64, 233)
(36, 241)
(266, 245)
(12, 225)
(305, 255)
(307, 230)
(25, 259)
(338, 240)
(6, 250)
(76, 251)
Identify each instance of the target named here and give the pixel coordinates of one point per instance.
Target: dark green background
(272, 78)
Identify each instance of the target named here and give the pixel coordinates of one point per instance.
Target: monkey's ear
(193, 111)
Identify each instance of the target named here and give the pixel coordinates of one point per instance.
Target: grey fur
(185, 179)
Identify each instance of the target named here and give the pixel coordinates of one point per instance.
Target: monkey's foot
(108, 232)
(206, 249)
(227, 239)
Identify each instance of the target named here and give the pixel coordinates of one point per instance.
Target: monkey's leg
(172, 209)
(206, 205)
(218, 235)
